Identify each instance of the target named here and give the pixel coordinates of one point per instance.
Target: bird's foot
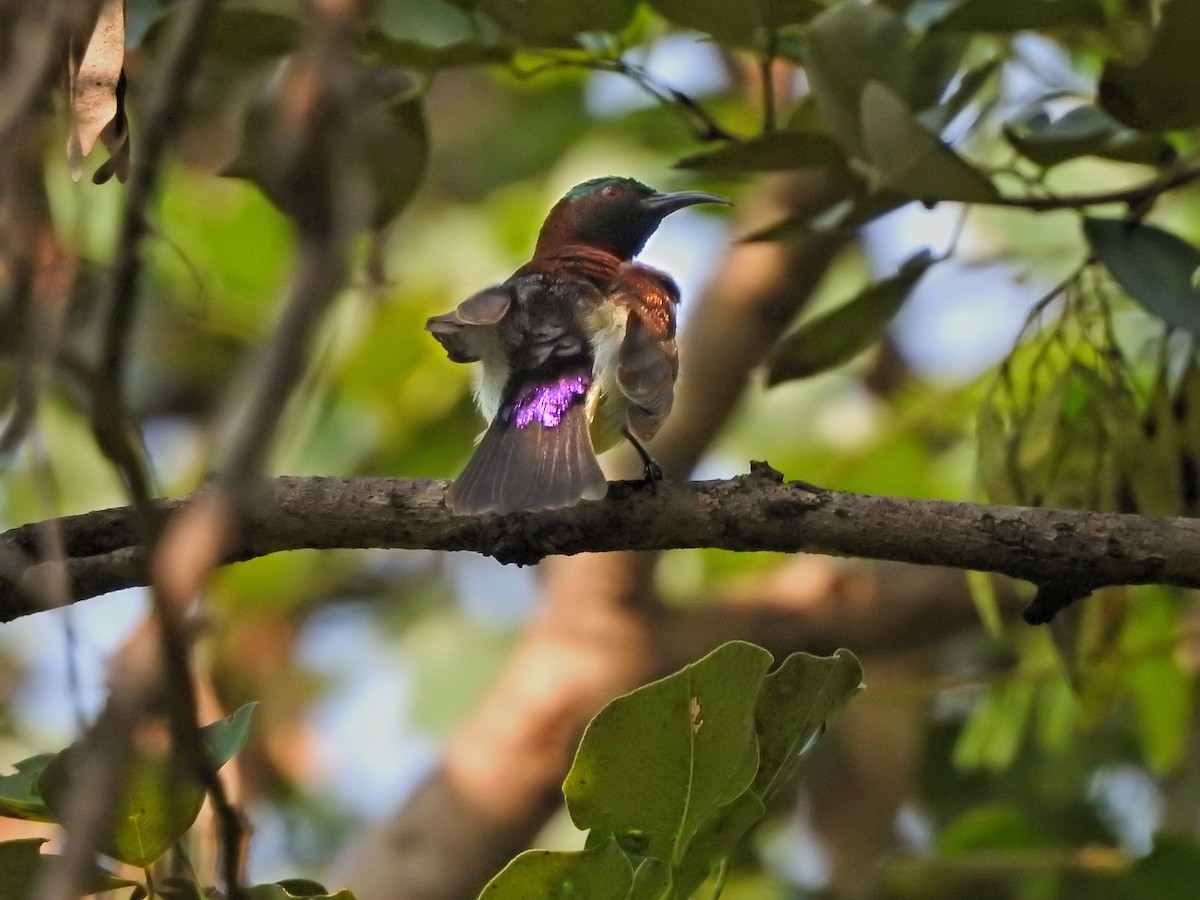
(652, 472)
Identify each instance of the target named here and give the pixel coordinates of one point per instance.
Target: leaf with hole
(1154, 267)
(664, 758)
(838, 336)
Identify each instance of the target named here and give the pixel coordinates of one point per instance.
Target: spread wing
(648, 361)
(453, 329)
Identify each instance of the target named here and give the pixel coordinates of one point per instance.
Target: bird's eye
(610, 191)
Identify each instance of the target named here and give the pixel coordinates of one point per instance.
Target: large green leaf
(157, 803)
(1162, 91)
(794, 706)
(907, 159)
(599, 873)
(1085, 131)
(664, 758)
(21, 863)
(1154, 266)
(851, 45)
(382, 48)
(773, 152)
(1159, 689)
(1019, 15)
(841, 334)
(716, 841)
(19, 796)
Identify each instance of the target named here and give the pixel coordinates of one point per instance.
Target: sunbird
(576, 351)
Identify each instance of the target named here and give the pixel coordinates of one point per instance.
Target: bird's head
(613, 214)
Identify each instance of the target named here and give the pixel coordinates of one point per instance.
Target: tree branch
(750, 513)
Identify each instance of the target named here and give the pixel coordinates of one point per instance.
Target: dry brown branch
(753, 512)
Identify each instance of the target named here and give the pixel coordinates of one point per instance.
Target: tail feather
(530, 467)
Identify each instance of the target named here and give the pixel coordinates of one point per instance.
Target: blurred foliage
(466, 120)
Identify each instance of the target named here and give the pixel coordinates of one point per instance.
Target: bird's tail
(536, 454)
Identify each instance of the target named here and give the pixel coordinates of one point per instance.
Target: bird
(576, 351)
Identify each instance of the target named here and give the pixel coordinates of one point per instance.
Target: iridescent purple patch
(546, 403)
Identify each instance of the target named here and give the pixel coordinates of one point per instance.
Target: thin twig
(1135, 197)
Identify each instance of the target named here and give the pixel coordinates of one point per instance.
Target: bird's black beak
(663, 205)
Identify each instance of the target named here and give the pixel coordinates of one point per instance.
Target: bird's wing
(453, 329)
(648, 361)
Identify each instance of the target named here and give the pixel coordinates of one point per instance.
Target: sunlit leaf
(293, 888)
(1153, 265)
(774, 152)
(851, 45)
(666, 757)
(19, 796)
(601, 873)
(1085, 131)
(840, 335)
(907, 159)
(1162, 91)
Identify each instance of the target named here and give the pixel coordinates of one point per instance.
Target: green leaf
(21, 863)
(1085, 131)
(664, 758)
(382, 48)
(773, 152)
(601, 873)
(239, 33)
(1160, 691)
(851, 45)
(727, 22)
(843, 217)
(383, 143)
(995, 826)
(554, 23)
(794, 707)
(1168, 873)
(1021, 15)
(280, 892)
(19, 797)
(994, 733)
(1154, 266)
(157, 803)
(840, 335)
(1162, 91)
(907, 159)
(716, 841)
(225, 737)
